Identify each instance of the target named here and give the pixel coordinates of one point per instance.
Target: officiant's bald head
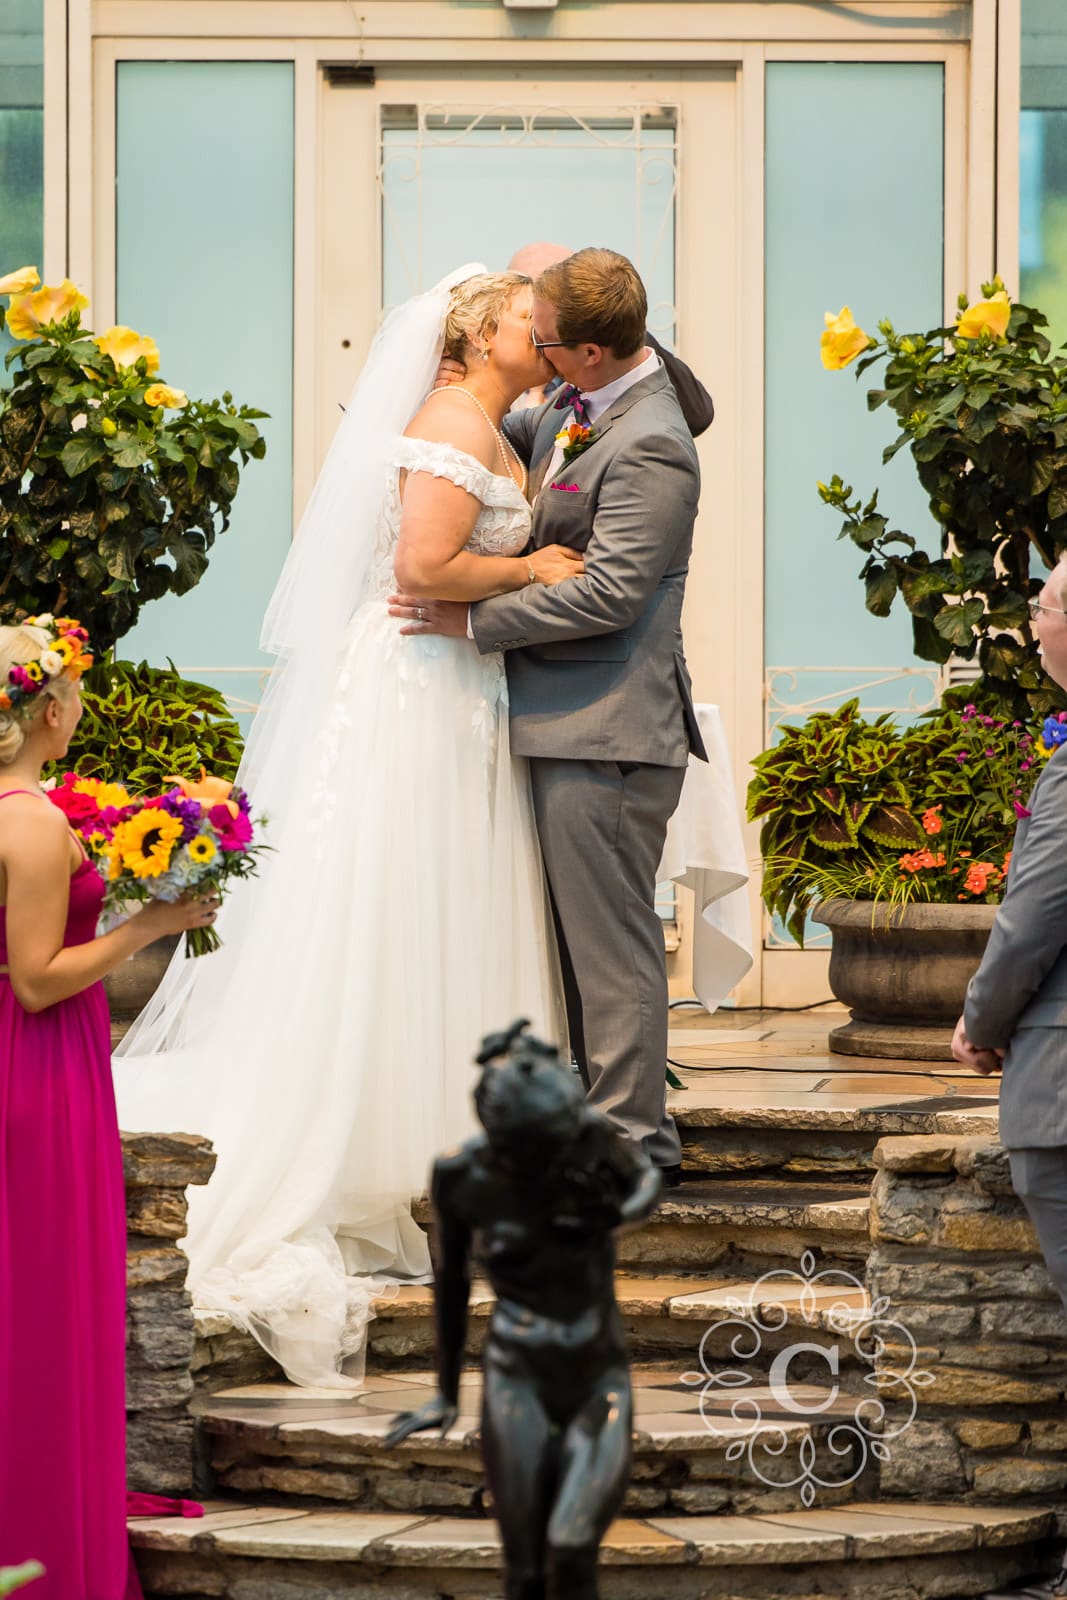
(533, 259)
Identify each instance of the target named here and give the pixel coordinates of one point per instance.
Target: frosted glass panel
(853, 217)
(475, 186)
(1043, 162)
(205, 265)
(21, 139)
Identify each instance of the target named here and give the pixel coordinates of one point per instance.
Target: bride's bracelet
(531, 574)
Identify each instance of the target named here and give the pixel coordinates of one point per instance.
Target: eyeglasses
(553, 344)
(1034, 606)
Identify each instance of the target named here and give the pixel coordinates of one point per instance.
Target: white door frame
(976, 40)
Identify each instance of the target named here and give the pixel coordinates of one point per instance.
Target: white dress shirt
(597, 401)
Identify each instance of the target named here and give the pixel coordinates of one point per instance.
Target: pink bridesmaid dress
(62, 1287)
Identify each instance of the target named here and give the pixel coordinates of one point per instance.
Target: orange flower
(1007, 864)
(932, 820)
(977, 879)
(209, 791)
(920, 859)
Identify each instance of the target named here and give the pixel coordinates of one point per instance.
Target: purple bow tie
(570, 398)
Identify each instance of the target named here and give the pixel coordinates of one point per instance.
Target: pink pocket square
(570, 488)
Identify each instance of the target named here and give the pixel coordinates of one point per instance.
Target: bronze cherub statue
(537, 1198)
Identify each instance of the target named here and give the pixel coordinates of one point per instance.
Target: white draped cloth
(704, 851)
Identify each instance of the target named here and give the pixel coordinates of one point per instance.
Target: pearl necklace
(501, 443)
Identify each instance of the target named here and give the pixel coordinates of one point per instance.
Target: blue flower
(1053, 733)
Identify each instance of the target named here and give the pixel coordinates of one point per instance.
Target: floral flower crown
(68, 655)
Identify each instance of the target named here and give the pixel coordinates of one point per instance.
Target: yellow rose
(29, 313)
(842, 341)
(125, 347)
(994, 314)
(161, 394)
(20, 281)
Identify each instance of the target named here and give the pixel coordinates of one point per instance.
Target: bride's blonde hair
(475, 308)
(18, 647)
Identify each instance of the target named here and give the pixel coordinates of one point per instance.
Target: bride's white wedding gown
(327, 1048)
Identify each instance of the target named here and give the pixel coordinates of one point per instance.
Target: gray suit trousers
(1039, 1177)
(602, 825)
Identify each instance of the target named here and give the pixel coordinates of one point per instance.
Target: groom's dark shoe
(672, 1176)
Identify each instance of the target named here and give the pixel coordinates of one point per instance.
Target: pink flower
(1020, 811)
(235, 833)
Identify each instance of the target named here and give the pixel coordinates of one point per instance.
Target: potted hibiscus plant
(114, 485)
(898, 838)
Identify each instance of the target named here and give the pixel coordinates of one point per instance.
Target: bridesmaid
(62, 1207)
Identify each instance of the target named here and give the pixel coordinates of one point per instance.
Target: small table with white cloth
(704, 851)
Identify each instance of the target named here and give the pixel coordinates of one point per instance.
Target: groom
(599, 690)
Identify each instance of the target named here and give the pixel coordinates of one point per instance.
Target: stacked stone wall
(159, 1316)
(955, 1255)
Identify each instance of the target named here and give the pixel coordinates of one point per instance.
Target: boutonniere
(575, 438)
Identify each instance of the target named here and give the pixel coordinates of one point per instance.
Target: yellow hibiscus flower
(29, 313)
(124, 346)
(20, 281)
(993, 314)
(842, 341)
(161, 394)
(146, 842)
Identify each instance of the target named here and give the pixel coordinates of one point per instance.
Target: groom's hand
(430, 616)
(449, 371)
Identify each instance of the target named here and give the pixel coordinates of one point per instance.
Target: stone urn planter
(903, 973)
(132, 984)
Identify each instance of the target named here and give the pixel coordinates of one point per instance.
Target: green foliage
(106, 501)
(853, 808)
(986, 422)
(142, 725)
(12, 1578)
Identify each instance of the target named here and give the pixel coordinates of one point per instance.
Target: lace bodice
(503, 525)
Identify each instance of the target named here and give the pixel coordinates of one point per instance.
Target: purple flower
(241, 800)
(1024, 766)
(987, 722)
(989, 752)
(187, 813)
(969, 712)
(961, 758)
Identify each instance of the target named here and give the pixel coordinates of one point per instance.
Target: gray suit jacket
(1017, 1000)
(596, 669)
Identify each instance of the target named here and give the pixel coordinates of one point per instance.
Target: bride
(326, 1049)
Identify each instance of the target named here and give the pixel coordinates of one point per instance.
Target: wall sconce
(530, 5)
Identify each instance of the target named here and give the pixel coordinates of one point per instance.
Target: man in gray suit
(599, 691)
(1016, 1009)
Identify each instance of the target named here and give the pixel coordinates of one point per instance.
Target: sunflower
(105, 794)
(202, 848)
(146, 841)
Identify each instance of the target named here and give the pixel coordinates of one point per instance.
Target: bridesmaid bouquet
(195, 837)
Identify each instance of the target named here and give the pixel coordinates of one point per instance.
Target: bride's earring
(485, 353)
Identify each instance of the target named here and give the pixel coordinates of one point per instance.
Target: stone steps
(252, 1551)
(792, 1132)
(691, 1453)
(663, 1314)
